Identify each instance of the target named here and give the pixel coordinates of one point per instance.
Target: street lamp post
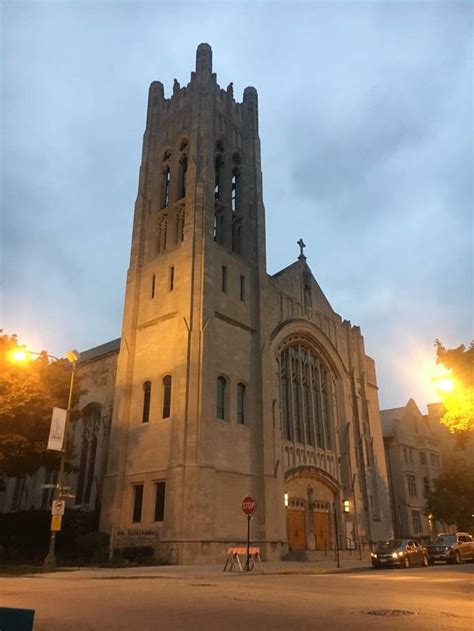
(22, 354)
(50, 560)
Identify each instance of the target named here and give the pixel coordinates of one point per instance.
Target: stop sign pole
(248, 506)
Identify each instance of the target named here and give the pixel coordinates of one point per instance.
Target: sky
(366, 120)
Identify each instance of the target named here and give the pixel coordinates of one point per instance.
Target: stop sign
(249, 505)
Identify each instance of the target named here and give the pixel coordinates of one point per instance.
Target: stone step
(319, 555)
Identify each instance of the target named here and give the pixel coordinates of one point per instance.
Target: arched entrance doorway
(310, 493)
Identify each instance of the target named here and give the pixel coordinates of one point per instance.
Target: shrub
(93, 547)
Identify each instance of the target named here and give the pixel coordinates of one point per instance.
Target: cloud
(365, 112)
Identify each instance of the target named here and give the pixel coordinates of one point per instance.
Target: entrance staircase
(313, 556)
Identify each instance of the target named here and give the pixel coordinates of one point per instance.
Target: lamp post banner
(56, 431)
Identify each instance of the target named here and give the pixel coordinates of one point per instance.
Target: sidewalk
(326, 566)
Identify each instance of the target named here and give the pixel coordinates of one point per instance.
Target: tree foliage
(452, 498)
(458, 402)
(28, 393)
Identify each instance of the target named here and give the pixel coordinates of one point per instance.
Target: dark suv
(451, 548)
(399, 552)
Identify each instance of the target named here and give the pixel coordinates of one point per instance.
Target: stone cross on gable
(302, 245)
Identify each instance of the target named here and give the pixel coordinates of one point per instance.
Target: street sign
(56, 523)
(58, 507)
(249, 505)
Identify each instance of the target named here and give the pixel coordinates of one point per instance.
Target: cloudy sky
(366, 129)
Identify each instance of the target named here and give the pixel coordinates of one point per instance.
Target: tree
(452, 499)
(28, 393)
(457, 389)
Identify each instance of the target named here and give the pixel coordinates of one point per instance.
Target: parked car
(451, 548)
(399, 552)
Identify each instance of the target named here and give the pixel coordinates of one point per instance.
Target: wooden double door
(297, 530)
(322, 533)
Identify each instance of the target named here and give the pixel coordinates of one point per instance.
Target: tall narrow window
(224, 279)
(426, 485)
(241, 403)
(326, 410)
(411, 481)
(285, 407)
(137, 503)
(165, 232)
(183, 167)
(297, 415)
(181, 233)
(234, 192)
(236, 235)
(160, 490)
(218, 225)
(162, 234)
(171, 279)
(242, 288)
(166, 396)
(146, 401)
(91, 422)
(153, 285)
(179, 228)
(217, 184)
(416, 516)
(220, 403)
(166, 187)
(307, 415)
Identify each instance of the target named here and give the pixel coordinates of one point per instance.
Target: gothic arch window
(179, 227)
(166, 187)
(235, 184)
(162, 234)
(146, 401)
(241, 390)
(91, 417)
(234, 192)
(218, 177)
(218, 225)
(166, 385)
(306, 397)
(236, 235)
(221, 397)
(183, 168)
(287, 426)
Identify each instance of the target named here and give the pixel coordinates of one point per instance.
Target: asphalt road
(436, 598)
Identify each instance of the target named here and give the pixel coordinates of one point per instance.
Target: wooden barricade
(233, 559)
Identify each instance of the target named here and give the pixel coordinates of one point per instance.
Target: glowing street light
(445, 384)
(22, 354)
(19, 355)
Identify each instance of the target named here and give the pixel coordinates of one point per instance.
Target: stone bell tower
(186, 441)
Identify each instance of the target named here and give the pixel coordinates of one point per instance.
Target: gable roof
(98, 351)
(294, 270)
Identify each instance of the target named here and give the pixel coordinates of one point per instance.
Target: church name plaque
(138, 535)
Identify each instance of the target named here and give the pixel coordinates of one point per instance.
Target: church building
(230, 381)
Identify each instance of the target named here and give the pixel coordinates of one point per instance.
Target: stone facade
(231, 382)
(414, 454)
